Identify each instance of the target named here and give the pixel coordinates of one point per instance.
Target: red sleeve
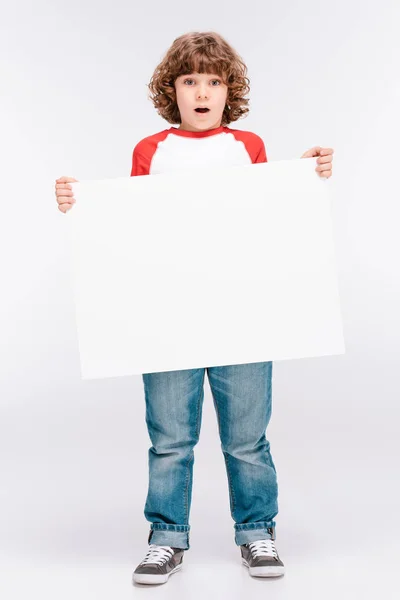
(253, 143)
(143, 152)
(140, 165)
(261, 155)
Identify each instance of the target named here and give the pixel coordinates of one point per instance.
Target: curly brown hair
(200, 52)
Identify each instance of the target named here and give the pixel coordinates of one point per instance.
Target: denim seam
(253, 526)
(230, 487)
(169, 527)
(232, 494)
(191, 458)
(267, 446)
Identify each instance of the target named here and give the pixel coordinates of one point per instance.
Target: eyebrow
(208, 74)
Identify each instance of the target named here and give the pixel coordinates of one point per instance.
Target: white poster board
(204, 267)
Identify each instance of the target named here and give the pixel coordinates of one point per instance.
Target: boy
(201, 84)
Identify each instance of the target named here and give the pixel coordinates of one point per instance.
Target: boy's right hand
(64, 193)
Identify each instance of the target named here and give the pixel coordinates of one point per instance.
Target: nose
(202, 92)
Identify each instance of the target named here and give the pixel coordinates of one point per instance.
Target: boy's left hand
(324, 168)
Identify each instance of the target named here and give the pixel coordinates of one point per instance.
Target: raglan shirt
(175, 149)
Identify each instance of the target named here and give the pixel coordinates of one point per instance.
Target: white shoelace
(158, 554)
(263, 548)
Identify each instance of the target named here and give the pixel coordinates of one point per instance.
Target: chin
(203, 123)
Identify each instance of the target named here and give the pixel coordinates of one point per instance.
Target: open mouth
(202, 110)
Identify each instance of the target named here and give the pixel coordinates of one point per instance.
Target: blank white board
(204, 267)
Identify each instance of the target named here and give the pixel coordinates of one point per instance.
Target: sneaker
(261, 558)
(159, 563)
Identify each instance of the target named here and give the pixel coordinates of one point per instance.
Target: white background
(74, 454)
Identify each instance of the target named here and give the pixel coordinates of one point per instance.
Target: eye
(214, 80)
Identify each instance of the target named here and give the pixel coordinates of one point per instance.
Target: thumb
(66, 179)
(315, 151)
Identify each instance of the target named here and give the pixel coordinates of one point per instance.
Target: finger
(324, 159)
(65, 200)
(64, 207)
(314, 151)
(63, 186)
(64, 192)
(325, 151)
(325, 174)
(325, 167)
(65, 179)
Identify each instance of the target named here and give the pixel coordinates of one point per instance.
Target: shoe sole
(151, 579)
(264, 571)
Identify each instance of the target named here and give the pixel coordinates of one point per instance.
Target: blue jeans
(242, 400)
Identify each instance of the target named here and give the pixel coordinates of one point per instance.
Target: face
(198, 90)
